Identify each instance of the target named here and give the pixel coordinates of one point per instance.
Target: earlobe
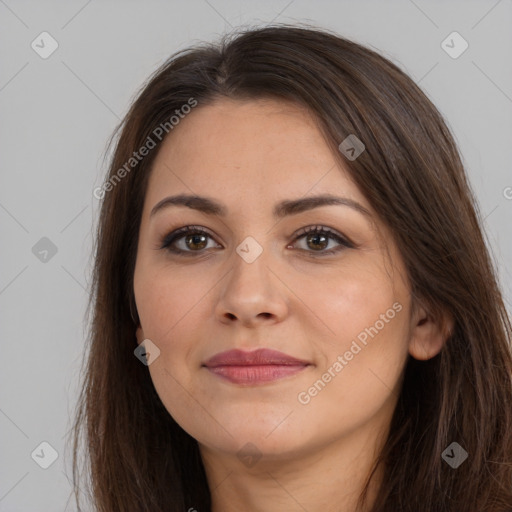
(139, 333)
(428, 335)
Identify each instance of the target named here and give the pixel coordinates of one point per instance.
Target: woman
(294, 307)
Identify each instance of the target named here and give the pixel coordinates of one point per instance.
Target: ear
(428, 335)
(139, 334)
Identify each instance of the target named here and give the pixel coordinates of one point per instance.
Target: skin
(249, 155)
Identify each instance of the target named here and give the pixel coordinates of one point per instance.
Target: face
(323, 284)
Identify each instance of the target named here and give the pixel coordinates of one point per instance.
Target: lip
(257, 366)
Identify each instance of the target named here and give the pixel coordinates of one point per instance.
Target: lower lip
(256, 374)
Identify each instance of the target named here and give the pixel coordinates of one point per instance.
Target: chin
(270, 437)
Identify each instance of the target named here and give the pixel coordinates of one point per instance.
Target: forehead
(264, 147)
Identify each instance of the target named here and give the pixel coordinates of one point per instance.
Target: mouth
(251, 368)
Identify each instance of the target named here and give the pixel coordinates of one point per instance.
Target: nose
(252, 293)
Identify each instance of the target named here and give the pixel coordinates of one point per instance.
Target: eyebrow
(282, 209)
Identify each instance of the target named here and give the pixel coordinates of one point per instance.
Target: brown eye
(317, 239)
(189, 239)
(196, 241)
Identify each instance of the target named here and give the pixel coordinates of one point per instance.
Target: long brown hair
(138, 458)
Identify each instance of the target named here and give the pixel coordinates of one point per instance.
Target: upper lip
(259, 357)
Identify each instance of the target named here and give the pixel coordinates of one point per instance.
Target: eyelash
(172, 237)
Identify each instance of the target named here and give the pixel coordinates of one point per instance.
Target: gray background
(56, 116)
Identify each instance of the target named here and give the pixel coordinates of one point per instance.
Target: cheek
(350, 300)
(172, 308)
(363, 352)
(359, 380)
(167, 302)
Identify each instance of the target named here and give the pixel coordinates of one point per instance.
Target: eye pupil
(194, 238)
(314, 239)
